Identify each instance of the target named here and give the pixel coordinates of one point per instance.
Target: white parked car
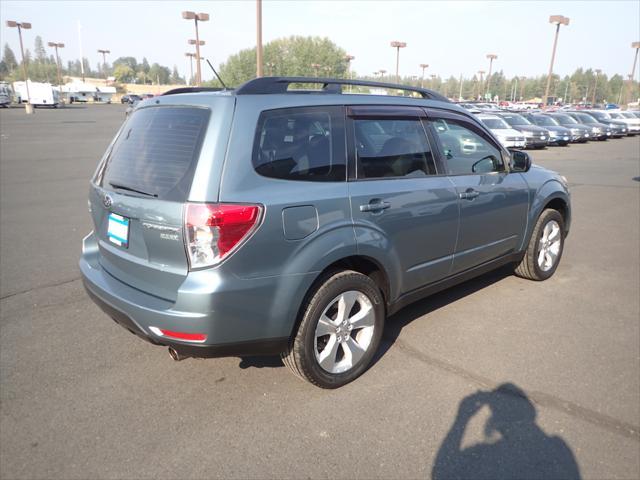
(633, 122)
(509, 137)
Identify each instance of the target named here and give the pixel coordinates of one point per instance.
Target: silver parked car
(266, 220)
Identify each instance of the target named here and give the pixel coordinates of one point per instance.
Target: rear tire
(340, 330)
(545, 247)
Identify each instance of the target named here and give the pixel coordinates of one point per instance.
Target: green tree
(159, 74)
(9, 58)
(175, 76)
(287, 56)
(123, 73)
(131, 62)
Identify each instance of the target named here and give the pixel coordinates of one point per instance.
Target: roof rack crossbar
(275, 85)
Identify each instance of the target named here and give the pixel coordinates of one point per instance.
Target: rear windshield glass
(156, 151)
(495, 123)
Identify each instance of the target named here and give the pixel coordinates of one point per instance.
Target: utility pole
(460, 95)
(196, 17)
(28, 108)
(258, 38)
(557, 20)
(398, 45)
(481, 72)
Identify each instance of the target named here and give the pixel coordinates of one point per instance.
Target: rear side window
(392, 148)
(301, 144)
(156, 152)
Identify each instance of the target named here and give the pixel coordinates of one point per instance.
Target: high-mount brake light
(214, 230)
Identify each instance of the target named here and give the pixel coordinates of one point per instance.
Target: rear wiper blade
(119, 186)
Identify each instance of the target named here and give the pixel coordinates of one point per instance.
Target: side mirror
(484, 165)
(520, 161)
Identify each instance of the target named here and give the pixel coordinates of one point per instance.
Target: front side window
(300, 144)
(392, 148)
(465, 150)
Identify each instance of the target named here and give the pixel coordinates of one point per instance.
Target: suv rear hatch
(138, 195)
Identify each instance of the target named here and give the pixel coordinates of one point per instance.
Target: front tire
(340, 330)
(545, 247)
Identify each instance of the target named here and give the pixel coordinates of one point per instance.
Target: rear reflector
(214, 230)
(187, 337)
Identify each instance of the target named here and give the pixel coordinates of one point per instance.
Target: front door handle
(469, 194)
(375, 206)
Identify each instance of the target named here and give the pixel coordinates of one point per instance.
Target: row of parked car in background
(560, 127)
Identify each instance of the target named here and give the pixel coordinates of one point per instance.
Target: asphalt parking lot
(558, 361)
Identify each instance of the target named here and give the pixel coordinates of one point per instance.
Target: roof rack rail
(176, 91)
(273, 85)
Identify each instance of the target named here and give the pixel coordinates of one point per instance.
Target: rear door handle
(469, 194)
(375, 206)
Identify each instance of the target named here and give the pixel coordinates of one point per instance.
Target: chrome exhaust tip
(175, 356)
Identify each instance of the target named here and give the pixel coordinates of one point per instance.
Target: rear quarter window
(306, 143)
(156, 152)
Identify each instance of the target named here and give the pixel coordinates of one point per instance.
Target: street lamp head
(188, 15)
(559, 20)
(190, 54)
(598, 71)
(51, 44)
(382, 72)
(203, 17)
(424, 65)
(193, 42)
(25, 25)
(396, 44)
(481, 72)
(492, 56)
(635, 45)
(12, 24)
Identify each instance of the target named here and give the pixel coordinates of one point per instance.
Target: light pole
(28, 108)
(349, 58)
(433, 81)
(557, 20)
(258, 38)
(382, 72)
(198, 44)
(636, 46)
(196, 17)
(191, 57)
(491, 57)
(595, 87)
(104, 61)
(398, 45)
(423, 66)
(57, 46)
(481, 73)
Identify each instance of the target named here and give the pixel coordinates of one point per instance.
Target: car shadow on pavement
(396, 322)
(514, 445)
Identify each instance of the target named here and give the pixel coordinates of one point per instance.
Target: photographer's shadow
(515, 446)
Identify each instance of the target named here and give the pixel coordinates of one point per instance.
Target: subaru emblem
(107, 201)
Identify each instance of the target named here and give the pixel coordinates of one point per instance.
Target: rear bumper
(238, 316)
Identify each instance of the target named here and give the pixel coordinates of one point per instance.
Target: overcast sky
(453, 37)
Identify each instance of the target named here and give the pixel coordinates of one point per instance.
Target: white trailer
(79, 92)
(40, 94)
(104, 94)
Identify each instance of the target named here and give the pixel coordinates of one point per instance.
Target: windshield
(516, 120)
(600, 115)
(545, 121)
(615, 115)
(565, 119)
(629, 115)
(584, 118)
(495, 123)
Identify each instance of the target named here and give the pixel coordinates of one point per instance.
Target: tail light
(214, 230)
